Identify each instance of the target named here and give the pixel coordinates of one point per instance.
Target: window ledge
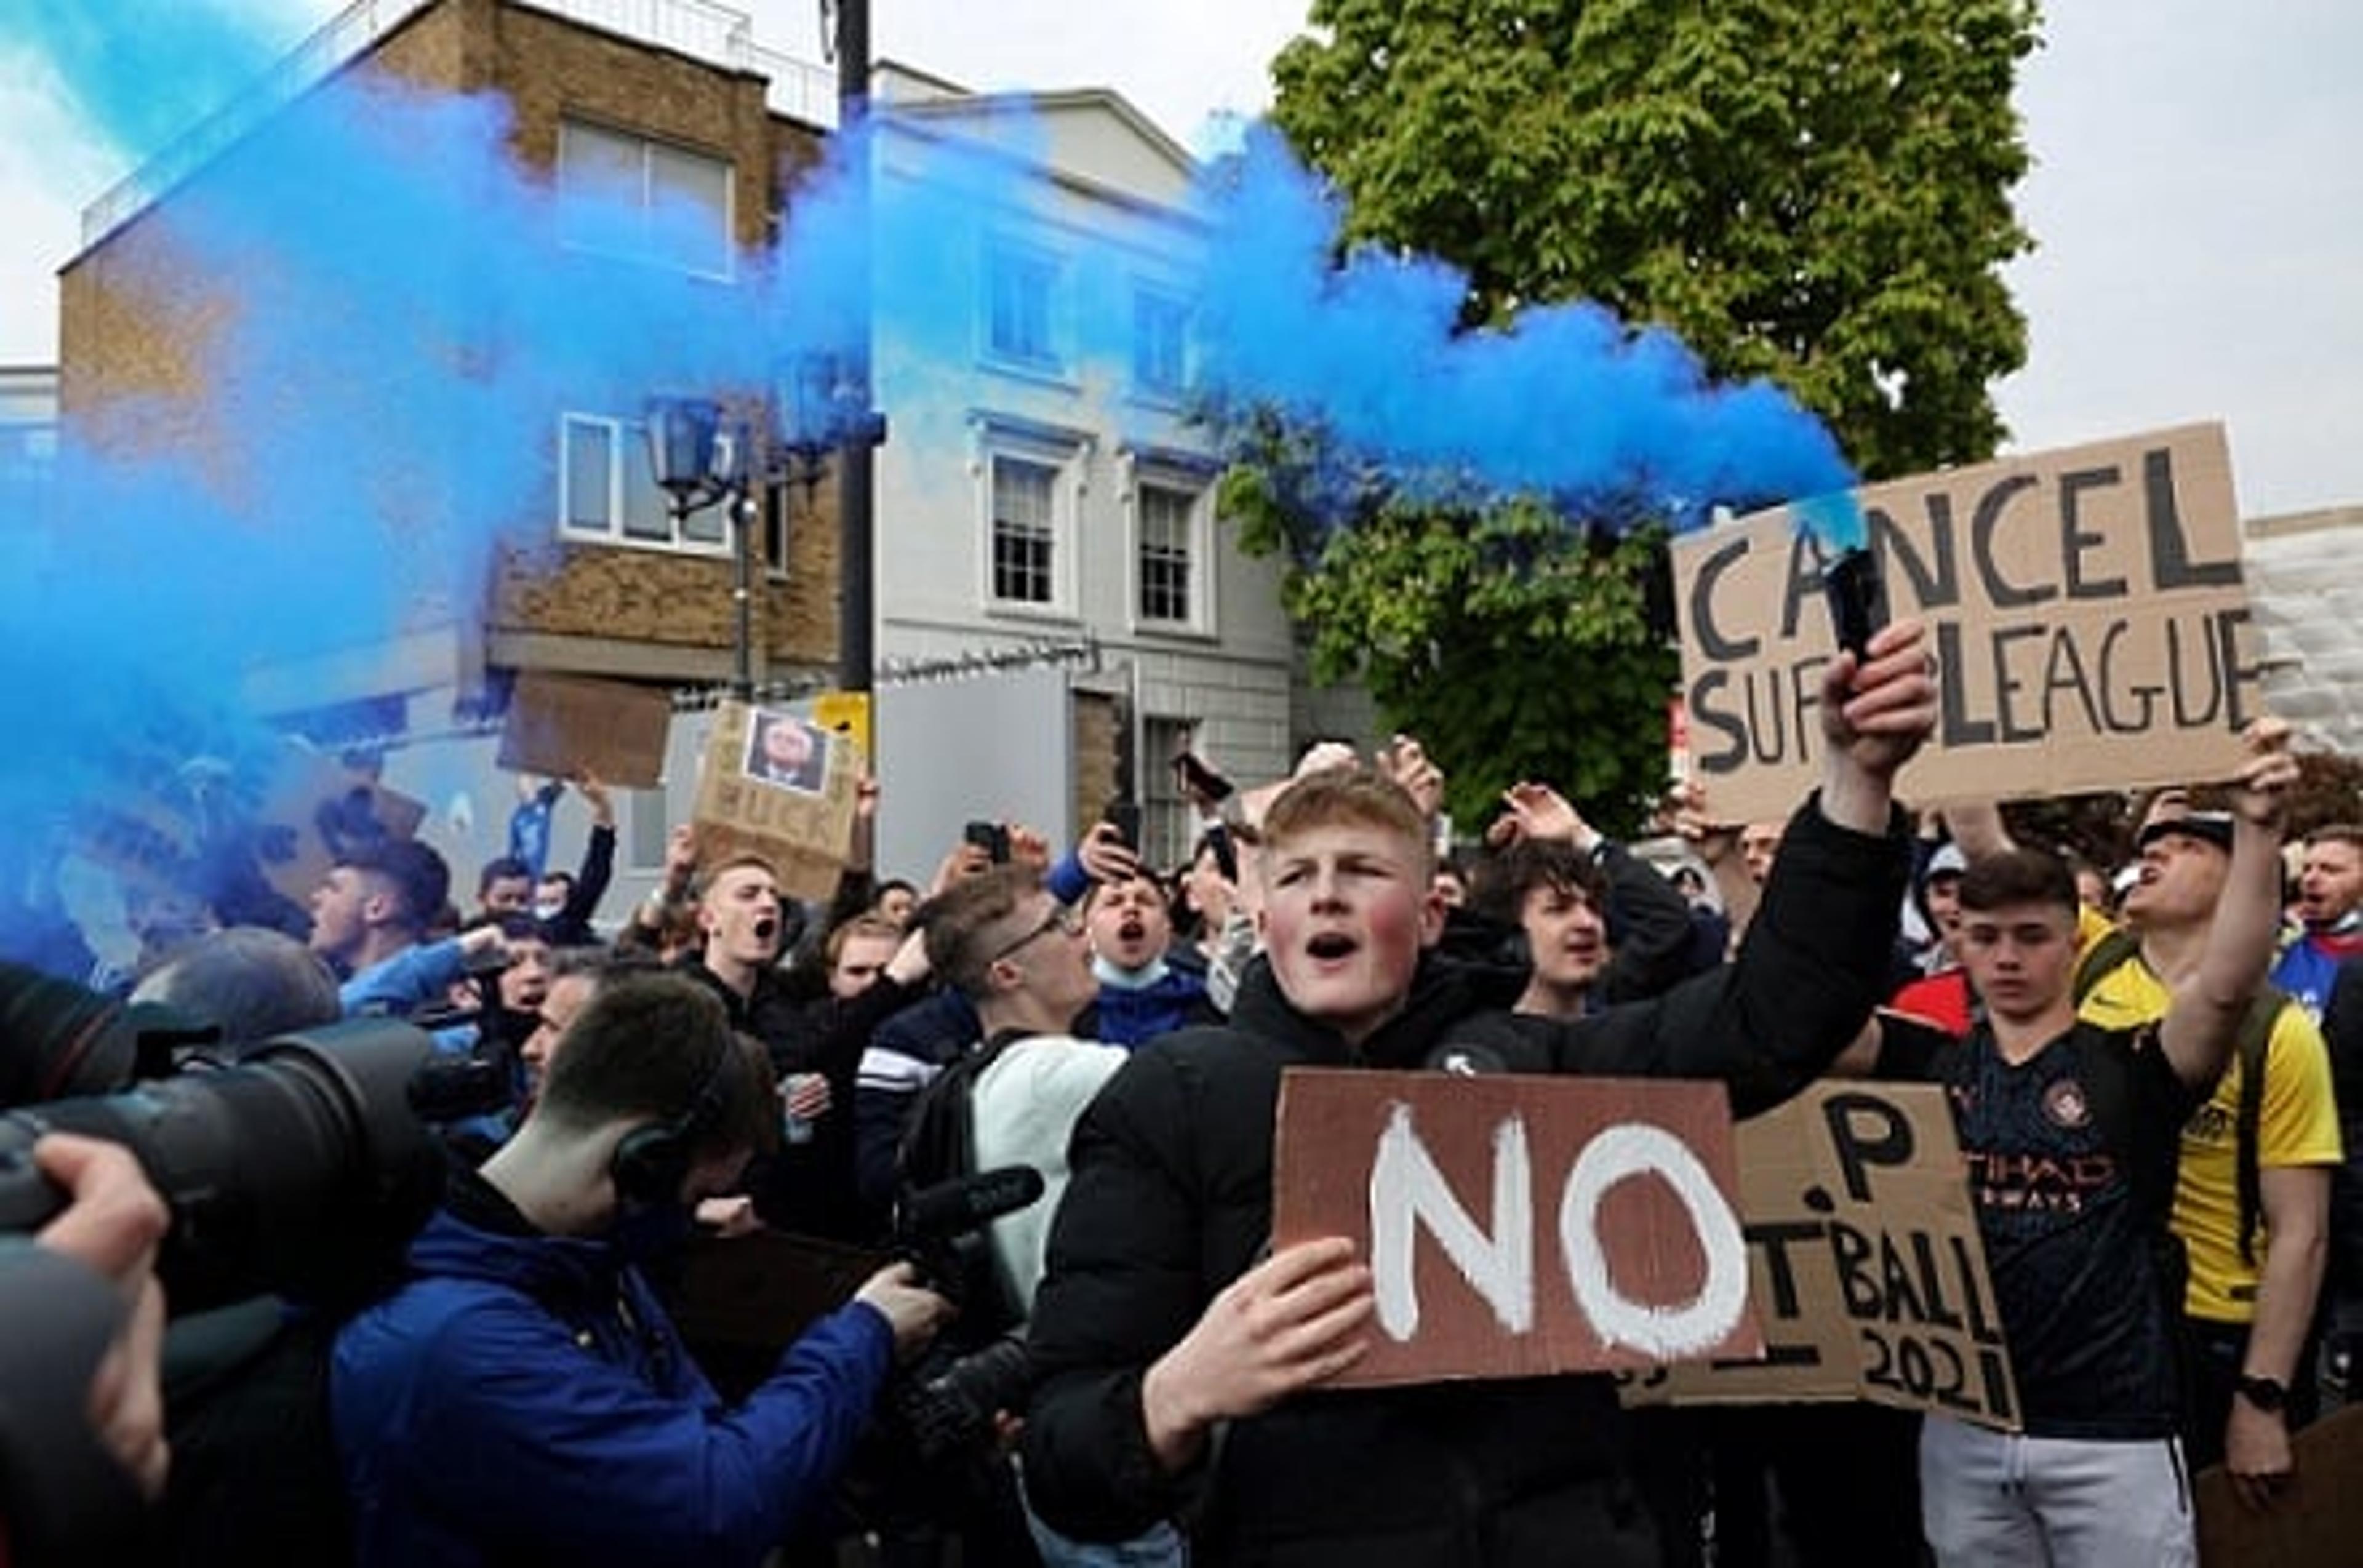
(1174, 631)
(1040, 373)
(1039, 615)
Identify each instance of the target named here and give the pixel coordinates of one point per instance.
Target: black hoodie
(1171, 1200)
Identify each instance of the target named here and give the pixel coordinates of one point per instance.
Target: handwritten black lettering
(1936, 577)
(1705, 714)
(1866, 1130)
(2001, 591)
(2007, 685)
(1774, 1237)
(1711, 640)
(2075, 538)
(2182, 691)
(2169, 548)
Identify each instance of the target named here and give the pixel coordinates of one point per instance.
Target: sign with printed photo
(776, 785)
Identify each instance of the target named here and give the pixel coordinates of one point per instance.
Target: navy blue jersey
(2074, 1216)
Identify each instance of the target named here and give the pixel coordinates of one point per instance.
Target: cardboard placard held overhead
(564, 725)
(1518, 1225)
(776, 785)
(315, 811)
(2086, 607)
(1868, 1275)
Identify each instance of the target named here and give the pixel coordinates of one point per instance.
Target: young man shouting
(1175, 1360)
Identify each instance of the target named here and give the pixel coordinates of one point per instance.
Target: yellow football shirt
(2297, 1125)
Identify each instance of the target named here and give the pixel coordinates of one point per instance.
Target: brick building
(629, 593)
(1037, 517)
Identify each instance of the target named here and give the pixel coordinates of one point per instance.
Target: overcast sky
(2198, 194)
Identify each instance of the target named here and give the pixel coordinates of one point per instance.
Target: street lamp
(823, 411)
(699, 460)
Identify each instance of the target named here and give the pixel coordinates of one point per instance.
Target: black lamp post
(824, 409)
(698, 461)
(856, 481)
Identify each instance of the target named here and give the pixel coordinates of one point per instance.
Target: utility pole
(857, 451)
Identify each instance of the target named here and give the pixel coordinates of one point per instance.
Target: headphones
(651, 1161)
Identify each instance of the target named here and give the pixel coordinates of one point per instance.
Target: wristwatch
(2264, 1393)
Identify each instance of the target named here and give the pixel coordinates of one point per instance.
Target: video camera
(945, 1403)
(300, 1165)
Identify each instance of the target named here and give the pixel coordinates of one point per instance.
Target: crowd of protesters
(1125, 1371)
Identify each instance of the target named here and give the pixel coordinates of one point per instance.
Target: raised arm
(598, 868)
(1874, 717)
(2203, 1019)
(1652, 921)
(1976, 826)
(1815, 960)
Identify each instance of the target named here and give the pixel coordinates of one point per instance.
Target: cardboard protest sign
(1869, 1276)
(2316, 1518)
(316, 810)
(2088, 615)
(565, 725)
(775, 785)
(1516, 1226)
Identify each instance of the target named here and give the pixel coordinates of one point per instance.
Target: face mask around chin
(549, 910)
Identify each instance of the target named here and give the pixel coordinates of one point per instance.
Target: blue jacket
(525, 1399)
(1135, 1016)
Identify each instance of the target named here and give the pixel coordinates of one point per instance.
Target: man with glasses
(1021, 959)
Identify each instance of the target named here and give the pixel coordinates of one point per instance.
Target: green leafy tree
(1809, 191)
(1508, 643)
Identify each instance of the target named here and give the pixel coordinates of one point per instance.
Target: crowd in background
(1086, 1402)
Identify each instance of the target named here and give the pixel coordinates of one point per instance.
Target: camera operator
(525, 1397)
(297, 1160)
(66, 1409)
(246, 1385)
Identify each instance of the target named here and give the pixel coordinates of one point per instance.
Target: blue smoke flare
(382, 317)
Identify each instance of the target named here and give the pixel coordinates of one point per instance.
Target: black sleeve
(1653, 924)
(1811, 969)
(1912, 1048)
(591, 880)
(844, 1027)
(857, 890)
(1126, 1282)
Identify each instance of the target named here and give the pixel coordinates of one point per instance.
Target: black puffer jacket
(1172, 1199)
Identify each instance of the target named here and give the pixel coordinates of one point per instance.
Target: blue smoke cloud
(139, 73)
(390, 336)
(1566, 402)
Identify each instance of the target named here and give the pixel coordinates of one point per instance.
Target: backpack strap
(938, 1141)
(2115, 948)
(2255, 1041)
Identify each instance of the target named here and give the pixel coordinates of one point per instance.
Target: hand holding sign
(1295, 1319)
(1882, 708)
(2261, 792)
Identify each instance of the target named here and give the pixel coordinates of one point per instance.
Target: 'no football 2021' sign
(2086, 608)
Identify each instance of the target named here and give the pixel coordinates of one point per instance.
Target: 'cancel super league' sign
(2089, 616)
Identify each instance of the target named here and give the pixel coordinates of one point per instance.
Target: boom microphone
(968, 1202)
